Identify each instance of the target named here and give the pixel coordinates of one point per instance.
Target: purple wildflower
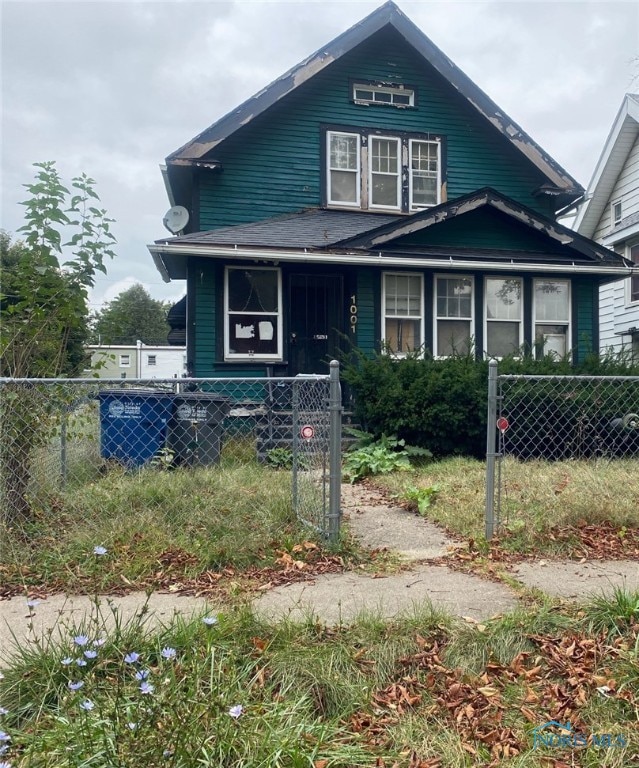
(142, 674)
(100, 550)
(75, 686)
(80, 662)
(146, 688)
(4, 736)
(81, 640)
(236, 711)
(210, 620)
(90, 654)
(131, 658)
(168, 653)
(66, 661)
(87, 705)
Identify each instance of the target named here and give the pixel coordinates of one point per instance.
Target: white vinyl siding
(453, 310)
(403, 312)
(253, 315)
(626, 190)
(503, 316)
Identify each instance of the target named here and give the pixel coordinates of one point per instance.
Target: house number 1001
(353, 313)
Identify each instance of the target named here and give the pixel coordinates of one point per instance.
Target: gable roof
(622, 136)
(386, 16)
(383, 236)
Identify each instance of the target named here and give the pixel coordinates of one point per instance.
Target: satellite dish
(176, 218)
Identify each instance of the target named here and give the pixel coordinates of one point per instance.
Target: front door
(315, 321)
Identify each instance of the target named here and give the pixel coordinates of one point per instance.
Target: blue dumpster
(133, 424)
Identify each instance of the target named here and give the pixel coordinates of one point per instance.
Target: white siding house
(610, 215)
(137, 361)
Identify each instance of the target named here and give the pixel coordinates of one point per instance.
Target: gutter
(352, 258)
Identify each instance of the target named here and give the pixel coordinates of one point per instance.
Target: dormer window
(383, 172)
(384, 94)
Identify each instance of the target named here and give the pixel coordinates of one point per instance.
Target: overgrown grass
(537, 496)
(239, 691)
(153, 523)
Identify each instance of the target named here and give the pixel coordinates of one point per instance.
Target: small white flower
(236, 711)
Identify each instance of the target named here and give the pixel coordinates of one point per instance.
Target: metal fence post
(335, 453)
(491, 445)
(295, 426)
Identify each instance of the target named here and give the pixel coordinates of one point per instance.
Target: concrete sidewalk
(335, 598)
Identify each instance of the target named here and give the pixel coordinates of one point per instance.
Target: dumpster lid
(202, 396)
(135, 393)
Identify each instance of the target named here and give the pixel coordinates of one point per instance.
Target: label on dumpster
(120, 410)
(186, 412)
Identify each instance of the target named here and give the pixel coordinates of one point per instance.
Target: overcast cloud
(112, 87)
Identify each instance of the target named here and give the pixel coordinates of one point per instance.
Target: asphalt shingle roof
(314, 228)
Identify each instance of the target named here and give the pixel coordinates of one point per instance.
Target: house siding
(615, 314)
(280, 152)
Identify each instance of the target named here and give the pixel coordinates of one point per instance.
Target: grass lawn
(545, 507)
(423, 692)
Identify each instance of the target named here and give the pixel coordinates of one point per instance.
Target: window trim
(398, 143)
(384, 316)
(630, 302)
(613, 217)
(452, 276)
(242, 356)
(438, 144)
(568, 322)
(487, 320)
(402, 89)
(358, 169)
(364, 135)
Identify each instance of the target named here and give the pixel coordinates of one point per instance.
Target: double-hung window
(633, 287)
(253, 315)
(425, 171)
(343, 153)
(384, 172)
(402, 300)
(552, 317)
(379, 172)
(453, 315)
(504, 316)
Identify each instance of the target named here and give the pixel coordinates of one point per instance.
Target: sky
(111, 87)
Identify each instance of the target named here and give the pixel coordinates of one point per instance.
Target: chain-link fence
(543, 419)
(63, 441)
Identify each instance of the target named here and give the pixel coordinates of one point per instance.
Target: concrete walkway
(335, 598)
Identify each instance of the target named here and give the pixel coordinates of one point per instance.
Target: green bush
(441, 404)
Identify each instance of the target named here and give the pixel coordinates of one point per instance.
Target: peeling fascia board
(350, 258)
(601, 184)
(387, 15)
(167, 185)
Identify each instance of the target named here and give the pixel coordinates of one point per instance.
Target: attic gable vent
(379, 93)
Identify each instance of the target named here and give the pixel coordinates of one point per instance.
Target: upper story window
(633, 293)
(552, 316)
(398, 173)
(343, 153)
(616, 212)
(252, 306)
(378, 93)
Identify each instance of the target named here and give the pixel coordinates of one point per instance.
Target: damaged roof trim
(388, 15)
(462, 205)
(162, 252)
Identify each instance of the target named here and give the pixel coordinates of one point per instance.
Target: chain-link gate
(556, 418)
(60, 437)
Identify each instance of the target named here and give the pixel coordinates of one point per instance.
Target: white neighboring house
(610, 215)
(137, 361)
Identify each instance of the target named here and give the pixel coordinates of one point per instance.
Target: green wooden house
(375, 192)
